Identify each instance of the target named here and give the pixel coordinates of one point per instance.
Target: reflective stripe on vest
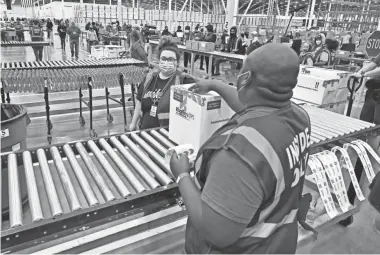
(162, 116)
(264, 230)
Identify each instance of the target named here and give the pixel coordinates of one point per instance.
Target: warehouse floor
(357, 238)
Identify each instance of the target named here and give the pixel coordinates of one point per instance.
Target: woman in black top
(297, 42)
(153, 97)
(62, 29)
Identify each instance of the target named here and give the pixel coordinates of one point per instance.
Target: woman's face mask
(187, 31)
(318, 42)
(167, 68)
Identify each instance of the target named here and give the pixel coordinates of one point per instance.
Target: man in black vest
(19, 31)
(37, 35)
(246, 192)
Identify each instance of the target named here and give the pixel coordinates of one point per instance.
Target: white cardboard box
(194, 117)
(315, 90)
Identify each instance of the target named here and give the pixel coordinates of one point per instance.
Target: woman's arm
(136, 116)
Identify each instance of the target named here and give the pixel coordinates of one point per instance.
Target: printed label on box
(212, 105)
(184, 114)
(178, 97)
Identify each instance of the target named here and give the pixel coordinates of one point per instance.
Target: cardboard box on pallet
(194, 117)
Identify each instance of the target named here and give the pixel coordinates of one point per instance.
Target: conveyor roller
(33, 80)
(69, 64)
(23, 43)
(72, 177)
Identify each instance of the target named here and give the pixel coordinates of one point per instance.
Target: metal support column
(287, 9)
(245, 12)
(311, 14)
(183, 7)
(119, 17)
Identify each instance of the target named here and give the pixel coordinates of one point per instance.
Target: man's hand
(203, 86)
(179, 165)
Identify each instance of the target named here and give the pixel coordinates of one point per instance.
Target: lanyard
(157, 98)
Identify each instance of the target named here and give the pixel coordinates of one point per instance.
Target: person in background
(224, 39)
(101, 32)
(153, 97)
(137, 47)
(166, 32)
(109, 27)
(74, 33)
(124, 27)
(187, 37)
(3, 32)
(67, 23)
(62, 29)
(19, 31)
(269, 38)
(148, 49)
(87, 27)
(240, 45)
(114, 32)
(118, 25)
(49, 27)
(347, 39)
(199, 36)
(229, 47)
(210, 37)
(247, 189)
(92, 38)
(37, 35)
(290, 35)
(179, 32)
(297, 43)
(96, 29)
(370, 113)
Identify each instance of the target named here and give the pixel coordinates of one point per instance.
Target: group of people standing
(231, 42)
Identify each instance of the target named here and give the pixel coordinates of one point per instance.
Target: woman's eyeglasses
(171, 60)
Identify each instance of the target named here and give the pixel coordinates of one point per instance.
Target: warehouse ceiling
(261, 6)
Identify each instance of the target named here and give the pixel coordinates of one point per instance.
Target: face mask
(187, 31)
(167, 68)
(318, 42)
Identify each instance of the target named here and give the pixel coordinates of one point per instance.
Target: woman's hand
(132, 127)
(203, 86)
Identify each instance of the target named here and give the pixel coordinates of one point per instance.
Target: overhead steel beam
(287, 8)
(183, 7)
(245, 13)
(224, 6)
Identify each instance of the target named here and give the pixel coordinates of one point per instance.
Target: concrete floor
(357, 238)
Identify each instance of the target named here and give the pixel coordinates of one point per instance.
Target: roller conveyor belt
(329, 127)
(73, 185)
(33, 80)
(70, 178)
(71, 64)
(24, 43)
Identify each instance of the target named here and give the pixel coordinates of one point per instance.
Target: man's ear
(246, 78)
